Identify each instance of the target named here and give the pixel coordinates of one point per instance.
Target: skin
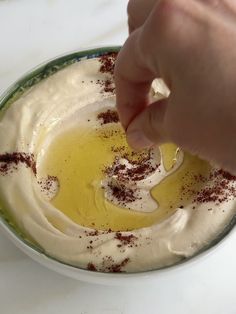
(192, 46)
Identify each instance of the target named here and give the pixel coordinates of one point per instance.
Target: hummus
(85, 198)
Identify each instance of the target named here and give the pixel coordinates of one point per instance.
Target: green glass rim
(33, 77)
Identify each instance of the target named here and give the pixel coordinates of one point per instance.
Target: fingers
(153, 50)
(137, 64)
(149, 126)
(181, 42)
(138, 12)
(138, 61)
(133, 78)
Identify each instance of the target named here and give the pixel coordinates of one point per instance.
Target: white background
(32, 32)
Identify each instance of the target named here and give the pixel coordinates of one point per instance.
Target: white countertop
(32, 32)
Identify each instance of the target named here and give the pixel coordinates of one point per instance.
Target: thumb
(148, 127)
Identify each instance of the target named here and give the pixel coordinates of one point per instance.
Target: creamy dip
(89, 202)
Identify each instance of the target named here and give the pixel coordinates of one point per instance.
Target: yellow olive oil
(169, 154)
(78, 158)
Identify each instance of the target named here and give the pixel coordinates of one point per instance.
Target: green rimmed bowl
(35, 252)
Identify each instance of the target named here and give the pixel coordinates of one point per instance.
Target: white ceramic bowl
(28, 80)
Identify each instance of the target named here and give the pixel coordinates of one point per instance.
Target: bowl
(36, 253)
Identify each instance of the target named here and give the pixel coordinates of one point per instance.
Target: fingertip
(148, 127)
(137, 140)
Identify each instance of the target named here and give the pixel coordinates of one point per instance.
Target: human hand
(192, 46)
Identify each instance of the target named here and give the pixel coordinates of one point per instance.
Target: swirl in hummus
(88, 200)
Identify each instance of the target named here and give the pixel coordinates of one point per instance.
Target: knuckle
(165, 9)
(166, 12)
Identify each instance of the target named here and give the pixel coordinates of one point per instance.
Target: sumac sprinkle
(141, 168)
(91, 267)
(109, 86)
(117, 268)
(109, 116)
(92, 233)
(226, 175)
(107, 66)
(122, 193)
(221, 188)
(125, 239)
(10, 161)
(108, 63)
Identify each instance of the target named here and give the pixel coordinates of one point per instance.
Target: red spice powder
(140, 169)
(139, 172)
(226, 175)
(10, 161)
(117, 268)
(109, 86)
(141, 166)
(122, 193)
(91, 267)
(109, 265)
(47, 184)
(125, 239)
(220, 188)
(108, 62)
(107, 67)
(108, 116)
(91, 233)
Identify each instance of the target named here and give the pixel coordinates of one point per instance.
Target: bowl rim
(32, 77)
(103, 277)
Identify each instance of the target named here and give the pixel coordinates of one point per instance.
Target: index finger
(136, 67)
(133, 80)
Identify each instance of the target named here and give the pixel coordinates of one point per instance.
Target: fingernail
(137, 140)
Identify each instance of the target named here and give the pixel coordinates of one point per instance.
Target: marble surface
(32, 32)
